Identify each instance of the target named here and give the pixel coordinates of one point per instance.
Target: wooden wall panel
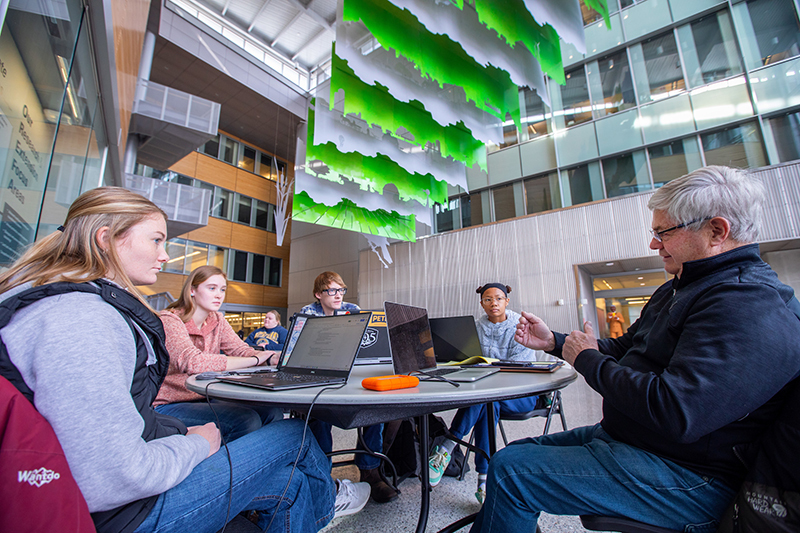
(255, 186)
(276, 296)
(244, 293)
(187, 166)
(215, 172)
(218, 232)
(171, 283)
(278, 251)
(250, 239)
(129, 20)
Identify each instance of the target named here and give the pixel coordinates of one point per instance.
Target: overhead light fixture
(610, 264)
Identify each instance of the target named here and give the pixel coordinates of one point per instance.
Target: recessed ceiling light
(640, 277)
(641, 284)
(609, 264)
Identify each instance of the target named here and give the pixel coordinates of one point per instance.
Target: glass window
(230, 151)
(739, 146)
(444, 215)
(257, 273)
(590, 15)
(176, 250)
(709, 49)
(274, 276)
(243, 209)
(584, 184)
(218, 257)
(248, 159)
(576, 107)
(657, 68)
(271, 218)
(776, 27)
(613, 91)
(536, 115)
(786, 131)
(471, 210)
(541, 194)
(196, 255)
(265, 165)
(503, 198)
(262, 212)
(626, 174)
(674, 159)
(211, 147)
(221, 205)
(239, 266)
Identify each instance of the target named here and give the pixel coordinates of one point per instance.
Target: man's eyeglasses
(657, 235)
(332, 292)
(488, 301)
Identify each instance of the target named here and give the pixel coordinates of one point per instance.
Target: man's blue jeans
(585, 471)
(262, 468)
(475, 415)
(373, 438)
(235, 420)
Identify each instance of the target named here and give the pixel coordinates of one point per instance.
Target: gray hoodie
(77, 354)
(497, 340)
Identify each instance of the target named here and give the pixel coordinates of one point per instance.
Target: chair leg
(466, 456)
(561, 410)
(502, 431)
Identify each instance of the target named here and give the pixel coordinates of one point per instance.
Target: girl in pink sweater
(199, 339)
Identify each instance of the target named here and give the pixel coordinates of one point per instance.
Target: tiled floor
(453, 499)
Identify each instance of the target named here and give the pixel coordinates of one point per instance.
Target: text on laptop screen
(326, 342)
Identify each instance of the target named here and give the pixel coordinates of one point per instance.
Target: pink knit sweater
(193, 350)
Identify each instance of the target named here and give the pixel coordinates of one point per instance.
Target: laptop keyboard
(297, 378)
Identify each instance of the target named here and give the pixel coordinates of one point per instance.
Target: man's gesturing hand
(534, 333)
(577, 342)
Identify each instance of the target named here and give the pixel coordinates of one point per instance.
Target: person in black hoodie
(705, 369)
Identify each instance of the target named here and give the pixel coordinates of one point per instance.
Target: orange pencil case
(397, 381)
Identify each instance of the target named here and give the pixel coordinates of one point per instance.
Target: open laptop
(412, 345)
(455, 338)
(320, 350)
(375, 349)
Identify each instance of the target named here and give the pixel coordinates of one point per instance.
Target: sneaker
(480, 495)
(350, 497)
(437, 464)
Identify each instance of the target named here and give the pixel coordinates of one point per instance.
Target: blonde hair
(73, 253)
(185, 305)
(276, 314)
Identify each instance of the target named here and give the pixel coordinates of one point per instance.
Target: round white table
(353, 406)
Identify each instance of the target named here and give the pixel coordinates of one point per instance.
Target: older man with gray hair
(699, 376)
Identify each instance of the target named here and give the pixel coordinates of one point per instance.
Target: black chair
(549, 406)
(620, 525)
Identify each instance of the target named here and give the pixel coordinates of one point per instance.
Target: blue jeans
(236, 420)
(373, 438)
(467, 417)
(262, 468)
(585, 471)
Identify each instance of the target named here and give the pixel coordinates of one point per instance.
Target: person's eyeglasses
(657, 235)
(332, 292)
(488, 301)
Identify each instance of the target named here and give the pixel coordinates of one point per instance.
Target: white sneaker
(350, 497)
(437, 464)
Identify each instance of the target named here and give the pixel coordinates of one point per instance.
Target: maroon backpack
(37, 490)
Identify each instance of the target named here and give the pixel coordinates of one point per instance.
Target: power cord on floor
(300, 450)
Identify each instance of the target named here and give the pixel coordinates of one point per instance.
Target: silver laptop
(412, 345)
(320, 350)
